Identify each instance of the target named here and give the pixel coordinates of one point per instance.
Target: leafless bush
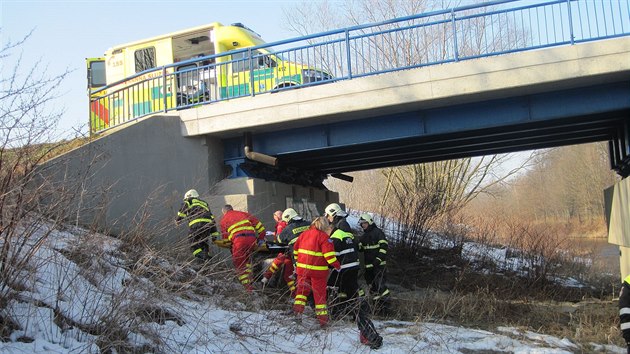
(26, 130)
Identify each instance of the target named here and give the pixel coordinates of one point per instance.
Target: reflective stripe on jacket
(197, 213)
(373, 244)
(345, 249)
(290, 234)
(236, 223)
(314, 253)
(293, 229)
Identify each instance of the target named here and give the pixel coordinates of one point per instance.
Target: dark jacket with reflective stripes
(345, 249)
(373, 244)
(290, 233)
(341, 223)
(624, 309)
(197, 213)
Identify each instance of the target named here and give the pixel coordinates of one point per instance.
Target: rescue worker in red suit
(243, 230)
(314, 254)
(295, 225)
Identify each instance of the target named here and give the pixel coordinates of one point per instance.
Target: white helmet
(334, 209)
(191, 194)
(288, 214)
(366, 218)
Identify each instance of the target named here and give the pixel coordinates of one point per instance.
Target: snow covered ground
(68, 296)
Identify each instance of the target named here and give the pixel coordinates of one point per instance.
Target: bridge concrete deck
(519, 73)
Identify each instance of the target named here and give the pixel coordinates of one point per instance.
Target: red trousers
(287, 274)
(242, 250)
(305, 285)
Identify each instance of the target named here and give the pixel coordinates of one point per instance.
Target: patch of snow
(210, 324)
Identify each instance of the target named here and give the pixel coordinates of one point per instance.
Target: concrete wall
(139, 174)
(262, 198)
(136, 174)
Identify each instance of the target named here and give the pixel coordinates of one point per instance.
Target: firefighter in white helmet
(202, 228)
(350, 297)
(337, 217)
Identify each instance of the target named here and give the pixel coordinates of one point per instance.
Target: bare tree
(566, 183)
(27, 137)
(417, 195)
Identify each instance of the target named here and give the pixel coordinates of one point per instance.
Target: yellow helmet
(289, 214)
(191, 194)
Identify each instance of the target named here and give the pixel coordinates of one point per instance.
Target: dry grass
(594, 321)
(447, 289)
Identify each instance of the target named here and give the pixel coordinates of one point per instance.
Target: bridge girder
(554, 118)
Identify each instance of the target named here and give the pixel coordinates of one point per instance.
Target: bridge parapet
(467, 32)
(526, 73)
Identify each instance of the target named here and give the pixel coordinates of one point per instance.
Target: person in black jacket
(373, 244)
(624, 311)
(295, 226)
(349, 298)
(202, 228)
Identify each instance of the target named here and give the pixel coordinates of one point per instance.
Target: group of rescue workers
(320, 265)
(321, 260)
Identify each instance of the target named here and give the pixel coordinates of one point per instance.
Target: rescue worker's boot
(200, 254)
(369, 335)
(376, 343)
(323, 320)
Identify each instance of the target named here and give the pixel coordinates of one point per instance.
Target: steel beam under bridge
(565, 117)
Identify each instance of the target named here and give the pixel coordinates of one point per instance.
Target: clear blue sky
(66, 32)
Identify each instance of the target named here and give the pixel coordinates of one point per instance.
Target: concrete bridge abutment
(137, 176)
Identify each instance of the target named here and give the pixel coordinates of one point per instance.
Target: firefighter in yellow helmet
(202, 228)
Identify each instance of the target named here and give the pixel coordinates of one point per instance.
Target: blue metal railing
(462, 33)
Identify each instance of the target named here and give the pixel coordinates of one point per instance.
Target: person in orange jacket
(315, 254)
(243, 230)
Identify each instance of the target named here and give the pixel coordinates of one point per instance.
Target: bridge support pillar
(261, 198)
